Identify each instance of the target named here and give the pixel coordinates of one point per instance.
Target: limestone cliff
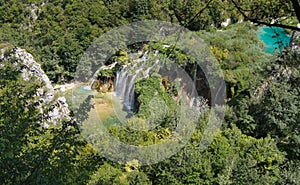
(31, 68)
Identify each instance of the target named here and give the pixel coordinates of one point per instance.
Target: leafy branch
(258, 21)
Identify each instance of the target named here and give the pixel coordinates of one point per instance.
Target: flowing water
(127, 76)
(194, 91)
(125, 79)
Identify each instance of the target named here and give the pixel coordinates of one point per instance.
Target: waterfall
(129, 97)
(89, 87)
(124, 82)
(124, 85)
(194, 91)
(124, 88)
(145, 55)
(92, 82)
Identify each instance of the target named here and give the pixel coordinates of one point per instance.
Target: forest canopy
(257, 142)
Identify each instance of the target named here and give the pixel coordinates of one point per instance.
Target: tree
(278, 115)
(275, 111)
(240, 54)
(196, 14)
(30, 152)
(232, 158)
(270, 13)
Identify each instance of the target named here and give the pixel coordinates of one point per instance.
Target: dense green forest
(257, 142)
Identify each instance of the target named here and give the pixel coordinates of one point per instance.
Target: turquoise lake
(275, 38)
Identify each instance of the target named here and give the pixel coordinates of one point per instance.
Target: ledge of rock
(33, 69)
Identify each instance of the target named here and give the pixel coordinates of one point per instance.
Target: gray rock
(60, 109)
(34, 69)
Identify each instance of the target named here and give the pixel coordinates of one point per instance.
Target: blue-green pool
(275, 38)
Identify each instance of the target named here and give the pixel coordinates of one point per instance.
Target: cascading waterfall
(89, 87)
(124, 83)
(194, 93)
(129, 97)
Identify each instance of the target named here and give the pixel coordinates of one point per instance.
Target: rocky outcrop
(30, 69)
(60, 111)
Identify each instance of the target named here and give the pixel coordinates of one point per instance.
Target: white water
(89, 87)
(92, 82)
(194, 92)
(124, 83)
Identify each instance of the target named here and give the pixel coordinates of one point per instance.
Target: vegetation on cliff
(257, 142)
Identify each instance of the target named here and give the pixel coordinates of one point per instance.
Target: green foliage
(150, 89)
(264, 149)
(240, 55)
(140, 137)
(276, 113)
(185, 12)
(32, 153)
(108, 174)
(123, 58)
(16, 123)
(258, 160)
(106, 73)
(138, 178)
(268, 10)
(290, 172)
(63, 30)
(232, 158)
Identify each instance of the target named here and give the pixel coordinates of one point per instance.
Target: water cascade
(125, 79)
(124, 84)
(89, 87)
(194, 91)
(92, 82)
(126, 76)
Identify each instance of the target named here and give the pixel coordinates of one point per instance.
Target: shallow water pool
(274, 38)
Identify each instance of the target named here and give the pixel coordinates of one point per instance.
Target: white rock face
(33, 69)
(60, 111)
